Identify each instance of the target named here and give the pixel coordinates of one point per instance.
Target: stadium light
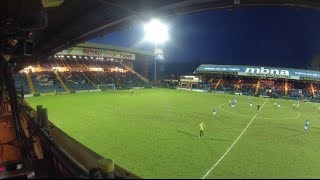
(157, 33)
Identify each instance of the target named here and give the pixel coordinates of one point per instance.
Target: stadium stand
(21, 80)
(261, 81)
(46, 82)
(74, 74)
(75, 81)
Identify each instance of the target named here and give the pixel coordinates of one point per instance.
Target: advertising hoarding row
(260, 71)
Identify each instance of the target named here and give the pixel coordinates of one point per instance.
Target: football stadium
(128, 127)
(94, 110)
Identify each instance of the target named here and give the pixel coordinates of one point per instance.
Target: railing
(74, 159)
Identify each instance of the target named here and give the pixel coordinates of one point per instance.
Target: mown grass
(154, 133)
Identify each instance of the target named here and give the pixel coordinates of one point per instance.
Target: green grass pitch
(155, 134)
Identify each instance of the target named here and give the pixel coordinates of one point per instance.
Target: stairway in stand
(257, 87)
(312, 89)
(217, 85)
(61, 82)
(134, 72)
(30, 84)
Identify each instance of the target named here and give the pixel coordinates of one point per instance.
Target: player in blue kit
(233, 104)
(214, 112)
(306, 126)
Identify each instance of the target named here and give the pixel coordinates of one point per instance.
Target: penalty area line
(215, 165)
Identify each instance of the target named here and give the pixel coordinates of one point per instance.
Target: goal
(106, 87)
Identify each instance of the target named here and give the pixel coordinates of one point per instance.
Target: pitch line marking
(257, 117)
(281, 118)
(232, 112)
(215, 165)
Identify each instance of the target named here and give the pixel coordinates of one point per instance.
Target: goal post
(106, 87)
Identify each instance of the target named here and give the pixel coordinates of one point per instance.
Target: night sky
(268, 36)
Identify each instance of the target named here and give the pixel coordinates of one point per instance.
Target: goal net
(106, 87)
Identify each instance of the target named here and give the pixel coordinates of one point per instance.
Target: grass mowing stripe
(233, 142)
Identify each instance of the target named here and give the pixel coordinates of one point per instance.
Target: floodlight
(156, 31)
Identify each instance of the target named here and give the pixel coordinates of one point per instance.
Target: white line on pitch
(233, 142)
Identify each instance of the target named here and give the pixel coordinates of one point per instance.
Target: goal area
(106, 87)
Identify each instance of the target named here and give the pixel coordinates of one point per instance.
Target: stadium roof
(76, 21)
(115, 48)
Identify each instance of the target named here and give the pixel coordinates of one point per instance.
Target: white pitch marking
(257, 117)
(215, 165)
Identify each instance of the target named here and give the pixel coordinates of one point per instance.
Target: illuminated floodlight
(91, 57)
(86, 57)
(74, 56)
(68, 56)
(156, 32)
(159, 57)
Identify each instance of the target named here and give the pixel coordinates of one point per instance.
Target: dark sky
(269, 36)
